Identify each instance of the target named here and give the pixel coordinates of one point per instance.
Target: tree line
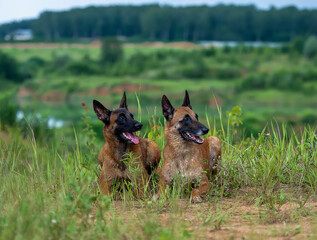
(167, 23)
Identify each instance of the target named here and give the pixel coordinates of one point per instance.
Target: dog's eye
(187, 118)
(121, 117)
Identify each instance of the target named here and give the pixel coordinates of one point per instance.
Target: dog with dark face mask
(119, 132)
(186, 153)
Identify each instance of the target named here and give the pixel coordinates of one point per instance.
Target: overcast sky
(16, 9)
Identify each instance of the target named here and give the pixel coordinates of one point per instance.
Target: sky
(11, 10)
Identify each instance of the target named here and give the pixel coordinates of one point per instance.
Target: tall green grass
(49, 190)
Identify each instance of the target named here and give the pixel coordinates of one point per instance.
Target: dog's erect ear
(102, 113)
(123, 103)
(168, 110)
(186, 102)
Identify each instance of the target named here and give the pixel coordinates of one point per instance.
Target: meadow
(265, 82)
(260, 102)
(266, 188)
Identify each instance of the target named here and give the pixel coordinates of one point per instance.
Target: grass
(76, 53)
(59, 94)
(266, 187)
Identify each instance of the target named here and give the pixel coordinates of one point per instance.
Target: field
(266, 83)
(268, 180)
(266, 189)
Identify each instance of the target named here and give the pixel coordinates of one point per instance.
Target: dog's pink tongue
(133, 137)
(199, 139)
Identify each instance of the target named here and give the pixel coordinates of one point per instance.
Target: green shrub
(82, 68)
(226, 49)
(9, 68)
(58, 64)
(35, 126)
(310, 47)
(30, 67)
(284, 79)
(111, 50)
(294, 46)
(309, 117)
(209, 52)
(224, 72)
(195, 67)
(8, 112)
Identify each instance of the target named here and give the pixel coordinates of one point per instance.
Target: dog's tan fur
(191, 160)
(147, 156)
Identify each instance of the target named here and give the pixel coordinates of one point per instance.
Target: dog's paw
(155, 197)
(196, 199)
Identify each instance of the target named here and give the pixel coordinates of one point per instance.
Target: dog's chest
(188, 167)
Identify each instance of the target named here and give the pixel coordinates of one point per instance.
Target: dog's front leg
(104, 182)
(198, 193)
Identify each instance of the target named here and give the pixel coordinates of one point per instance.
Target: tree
(310, 47)
(111, 50)
(9, 68)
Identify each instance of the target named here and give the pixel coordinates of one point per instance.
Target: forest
(167, 23)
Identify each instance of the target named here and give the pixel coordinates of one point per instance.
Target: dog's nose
(205, 130)
(138, 126)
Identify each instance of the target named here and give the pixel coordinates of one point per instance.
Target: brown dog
(119, 131)
(185, 152)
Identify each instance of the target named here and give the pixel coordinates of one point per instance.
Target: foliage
(61, 199)
(9, 68)
(8, 112)
(31, 67)
(310, 47)
(170, 23)
(111, 50)
(82, 68)
(282, 79)
(256, 78)
(234, 116)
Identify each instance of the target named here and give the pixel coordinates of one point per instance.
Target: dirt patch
(227, 219)
(53, 96)
(183, 45)
(132, 88)
(215, 101)
(49, 45)
(99, 91)
(25, 92)
(97, 44)
(119, 89)
(5, 136)
(150, 44)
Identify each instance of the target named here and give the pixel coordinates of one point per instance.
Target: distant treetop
(166, 23)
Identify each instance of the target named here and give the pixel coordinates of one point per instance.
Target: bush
(295, 46)
(225, 72)
(195, 66)
(282, 79)
(209, 52)
(30, 67)
(9, 68)
(111, 50)
(58, 64)
(8, 112)
(309, 117)
(82, 68)
(39, 125)
(310, 47)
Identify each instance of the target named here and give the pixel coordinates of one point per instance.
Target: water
(235, 44)
(51, 122)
